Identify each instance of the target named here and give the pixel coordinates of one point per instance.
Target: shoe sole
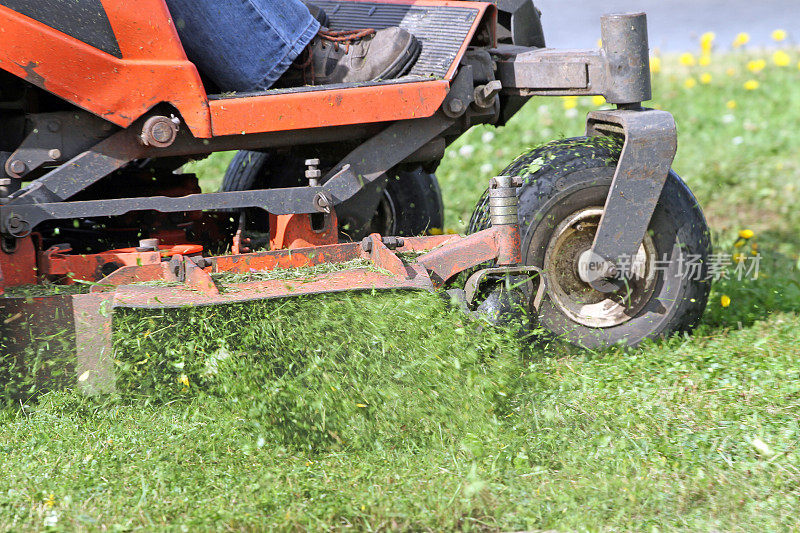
(404, 62)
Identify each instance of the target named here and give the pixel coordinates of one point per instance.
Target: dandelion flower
(184, 380)
(730, 104)
(730, 71)
(598, 100)
(751, 85)
(570, 102)
(725, 300)
(746, 234)
(779, 35)
(360, 405)
(655, 64)
(738, 258)
(741, 40)
(704, 61)
(690, 83)
(757, 65)
(687, 59)
(707, 41)
(781, 58)
(705, 79)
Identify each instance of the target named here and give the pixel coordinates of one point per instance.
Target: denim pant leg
(243, 45)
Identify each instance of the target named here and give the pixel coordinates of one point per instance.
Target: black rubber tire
(566, 176)
(412, 202)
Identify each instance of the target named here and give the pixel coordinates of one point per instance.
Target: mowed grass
(393, 411)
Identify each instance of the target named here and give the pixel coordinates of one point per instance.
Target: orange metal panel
(153, 68)
(316, 109)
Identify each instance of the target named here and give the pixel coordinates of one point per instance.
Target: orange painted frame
(154, 69)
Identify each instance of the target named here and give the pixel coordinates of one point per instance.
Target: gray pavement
(675, 25)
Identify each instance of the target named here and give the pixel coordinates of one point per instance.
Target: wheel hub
(566, 258)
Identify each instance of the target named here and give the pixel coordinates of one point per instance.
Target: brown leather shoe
(354, 56)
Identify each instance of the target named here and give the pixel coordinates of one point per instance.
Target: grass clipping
(356, 371)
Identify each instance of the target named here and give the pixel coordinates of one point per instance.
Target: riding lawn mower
(101, 110)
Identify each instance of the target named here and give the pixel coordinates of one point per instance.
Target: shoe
(319, 14)
(354, 56)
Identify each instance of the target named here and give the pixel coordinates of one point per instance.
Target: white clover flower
(727, 119)
(571, 113)
(466, 150)
(486, 168)
(487, 137)
(737, 141)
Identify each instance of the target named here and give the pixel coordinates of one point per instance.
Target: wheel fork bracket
(651, 142)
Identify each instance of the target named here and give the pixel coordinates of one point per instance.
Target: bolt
(313, 173)
(149, 244)
(456, 106)
(159, 131)
(17, 166)
(53, 125)
(54, 154)
(366, 244)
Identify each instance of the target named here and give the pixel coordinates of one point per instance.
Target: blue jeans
(243, 45)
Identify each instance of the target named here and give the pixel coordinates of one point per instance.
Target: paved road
(675, 25)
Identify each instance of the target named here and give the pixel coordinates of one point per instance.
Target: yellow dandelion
(781, 58)
(690, 83)
(184, 380)
(738, 258)
(598, 100)
(730, 104)
(751, 85)
(570, 102)
(779, 35)
(435, 231)
(704, 61)
(746, 234)
(705, 79)
(730, 71)
(360, 405)
(707, 41)
(756, 65)
(725, 300)
(687, 59)
(655, 64)
(741, 40)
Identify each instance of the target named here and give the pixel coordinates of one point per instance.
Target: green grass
(393, 411)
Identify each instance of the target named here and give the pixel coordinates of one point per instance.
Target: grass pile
(394, 411)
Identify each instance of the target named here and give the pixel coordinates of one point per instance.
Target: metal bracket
(55, 137)
(475, 280)
(651, 141)
(620, 71)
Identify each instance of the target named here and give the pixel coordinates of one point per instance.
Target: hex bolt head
(312, 162)
(17, 166)
(54, 154)
(456, 106)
